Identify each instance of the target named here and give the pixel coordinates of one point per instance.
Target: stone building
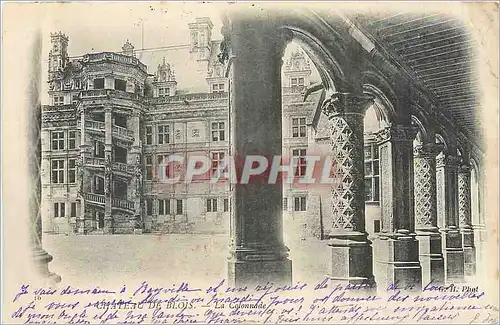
(411, 178)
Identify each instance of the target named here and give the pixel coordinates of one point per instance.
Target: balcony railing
(187, 97)
(94, 161)
(95, 198)
(122, 167)
(120, 58)
(121, 131)
(94, 125)
(104, 93)
(122, 204)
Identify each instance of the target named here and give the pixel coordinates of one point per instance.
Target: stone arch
(320, 40)
(423, 135)
(442, 140)
(385, 98)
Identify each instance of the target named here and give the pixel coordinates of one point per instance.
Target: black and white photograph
(215, 163)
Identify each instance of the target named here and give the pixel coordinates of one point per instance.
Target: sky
(101, 27)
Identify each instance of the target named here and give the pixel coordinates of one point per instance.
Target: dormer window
(218, 88)
(58, 100)
(297, 82)
(164, 92)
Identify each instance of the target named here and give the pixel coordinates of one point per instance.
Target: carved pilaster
(447, 211)
(465, 219)
(424, 161)
(429, 238)
(348, 238)
(396, 178)
(397, 208)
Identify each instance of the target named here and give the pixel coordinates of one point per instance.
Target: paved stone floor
(103, 258)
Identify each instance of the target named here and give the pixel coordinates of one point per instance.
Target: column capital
(427, 150)
(448, 161)
(399, 133)
(346, 103)
(464, 168)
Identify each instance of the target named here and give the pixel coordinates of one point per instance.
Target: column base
(469, 251)
(350, 261)
(251, 273)
(108, 225)
(453, 255)
(398, 261)
(41, 261)
(431, 256)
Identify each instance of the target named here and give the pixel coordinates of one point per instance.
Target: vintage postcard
(216, 163)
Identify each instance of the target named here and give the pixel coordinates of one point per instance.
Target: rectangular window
(301, 82)
(217, 163)
(71, 139)
(99, 185)
(178, 209)
(99, 83)
(299, 203)
(218, 88)
(99, 149)
(298, 127)
(285, 204)
(57, 140)
(211, 205)
(74, 98)
(167, 91)
(120, 85)
(59, 210)
(149, 207)
(149, 167)
(73, 210)
(149, 135)
(58, 100)
(218, 131)
(293, 82)
(58, 171)
(376, 225)
(300, 159)
(163, 207)
(372, 173)
(71, 170)
(226, 205)
(163, 134)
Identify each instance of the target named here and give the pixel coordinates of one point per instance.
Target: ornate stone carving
(348, 188)
(385, 179)
(138, 177)
(107, 176)
(79, 170)
(464, 196)
(342, 103)
(396, 133)
(425, 185)
(449, 161)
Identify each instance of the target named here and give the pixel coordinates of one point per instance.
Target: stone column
(465, 220)
(108, 178)
(351, 251)
(429, 238)
(397, 247)
(82, 175)
(40, 257)
(257, 250)
(447, 211)
(134, 159)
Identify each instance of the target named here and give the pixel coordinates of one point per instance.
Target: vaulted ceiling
(438, 52)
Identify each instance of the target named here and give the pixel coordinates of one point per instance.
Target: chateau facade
(110, 125)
